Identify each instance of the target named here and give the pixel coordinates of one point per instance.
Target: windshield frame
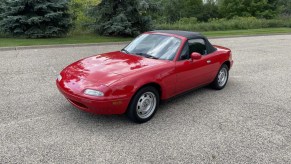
(178, 51)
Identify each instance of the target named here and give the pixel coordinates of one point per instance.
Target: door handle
(208, 61)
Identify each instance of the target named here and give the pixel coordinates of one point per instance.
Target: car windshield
(154, 46)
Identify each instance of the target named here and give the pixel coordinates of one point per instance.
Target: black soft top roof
(186, 34)
(190, 35)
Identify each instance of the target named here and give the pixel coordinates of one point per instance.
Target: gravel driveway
(247, 122)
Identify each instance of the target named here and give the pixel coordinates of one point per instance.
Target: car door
(191, 74)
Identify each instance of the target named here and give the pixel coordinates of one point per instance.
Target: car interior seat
(198, 47)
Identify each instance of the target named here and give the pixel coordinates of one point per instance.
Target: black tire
(143, 96)
(216, 83)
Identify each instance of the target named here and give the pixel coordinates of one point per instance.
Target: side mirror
(195, 56)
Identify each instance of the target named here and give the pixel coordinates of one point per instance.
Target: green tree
(285, 7)
(171, 11)
(210, 10)
(79, 9)
(191, 8)
(2, 3)
(1, 11)
(247, 8)
(122, 17)
(35, 18)
(174, 10)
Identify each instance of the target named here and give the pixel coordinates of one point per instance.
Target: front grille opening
(79, 104)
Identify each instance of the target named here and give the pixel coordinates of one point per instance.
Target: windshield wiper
(124, 50)
(147, 55)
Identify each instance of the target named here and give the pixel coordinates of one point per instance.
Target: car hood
(110, 67)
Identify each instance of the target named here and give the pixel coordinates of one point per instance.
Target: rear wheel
(144, 105)
(221, 78)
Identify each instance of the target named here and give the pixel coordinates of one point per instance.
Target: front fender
(164, 77)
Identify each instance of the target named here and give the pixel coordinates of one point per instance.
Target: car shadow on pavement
(88, 118)
(84, 117)
(179, 106)
(194, 104)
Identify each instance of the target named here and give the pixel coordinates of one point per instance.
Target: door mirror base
(195, 56)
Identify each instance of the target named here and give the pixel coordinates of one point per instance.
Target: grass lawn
(264, 31)
(92, 38)
(76, 39)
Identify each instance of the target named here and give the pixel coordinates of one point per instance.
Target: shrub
(122, 18)
(191, 20)
(237, 23)
(78, 10)
(36, 19)
(245, 8)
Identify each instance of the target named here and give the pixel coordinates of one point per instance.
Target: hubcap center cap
(146, 103)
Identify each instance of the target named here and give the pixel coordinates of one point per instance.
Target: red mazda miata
(156, 66)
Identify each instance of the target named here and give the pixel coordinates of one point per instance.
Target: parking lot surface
(247, 122)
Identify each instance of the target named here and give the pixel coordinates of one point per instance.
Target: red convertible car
(156, 66)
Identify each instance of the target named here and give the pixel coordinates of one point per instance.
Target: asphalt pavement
(247, 122)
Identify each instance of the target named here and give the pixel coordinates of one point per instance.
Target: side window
(197, 45)
(185, 54)
(193, 45)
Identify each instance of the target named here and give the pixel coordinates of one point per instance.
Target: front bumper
(106, 107)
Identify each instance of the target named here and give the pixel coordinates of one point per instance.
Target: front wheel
(144, 105)
(221, 78)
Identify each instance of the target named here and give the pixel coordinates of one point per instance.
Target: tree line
(56, 18)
